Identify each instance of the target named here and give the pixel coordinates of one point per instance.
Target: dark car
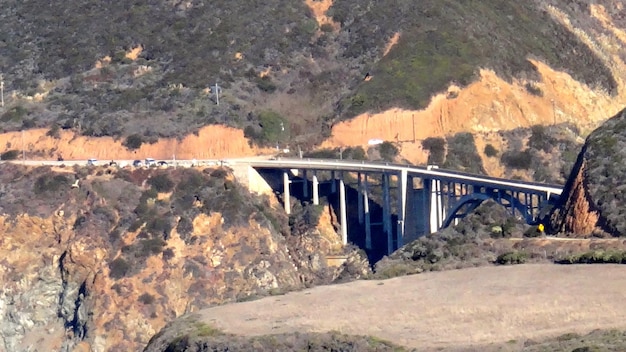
(162, 163)
(137, 163)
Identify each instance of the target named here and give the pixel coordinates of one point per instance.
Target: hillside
(103, 266)
(512, 308)
(342, 72)
(593, 205)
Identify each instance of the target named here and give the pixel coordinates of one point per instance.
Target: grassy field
(507, 308)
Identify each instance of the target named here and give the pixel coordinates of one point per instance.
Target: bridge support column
(316, 190)
(387, 213)
(360, 199)
(333, 182)
(342, 210)
(305, 185)
(366, 210)
(286, 195)
(402, 185)
(436, 204)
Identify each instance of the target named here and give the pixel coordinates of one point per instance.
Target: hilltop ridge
(149, 70)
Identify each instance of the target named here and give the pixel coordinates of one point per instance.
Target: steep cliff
(103, 266)
(594, 198)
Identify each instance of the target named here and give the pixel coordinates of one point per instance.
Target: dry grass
(447, 310)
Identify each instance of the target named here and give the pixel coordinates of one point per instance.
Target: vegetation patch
(463, 155)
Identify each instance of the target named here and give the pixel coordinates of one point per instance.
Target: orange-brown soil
(210, 142)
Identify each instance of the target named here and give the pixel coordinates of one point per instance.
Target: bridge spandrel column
(359, 198)
(387, 213)
(286, 195)
(402, 197)
(333, 182)
(366, 210)
(316, 190)
(343, 211)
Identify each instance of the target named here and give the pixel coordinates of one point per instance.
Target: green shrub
(265, 84)
(161, 182)
(134, 141)
(54, 131)
(274, 127)
(10, 155)
(322, 154)
(388, 151)
(540, 139)
(356, 153)
(515, 257)
(436, 147)
(595, 257)
(50, 183)
(119, 268)
(326, 28)
(533, 89)
(146, 298)
(15, 114)
(521, 160)
(462, 154)
(490, 151)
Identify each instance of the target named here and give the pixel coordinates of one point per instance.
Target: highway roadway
(337, 165)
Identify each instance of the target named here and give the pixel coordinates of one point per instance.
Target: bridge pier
(342, 210)
(387, 213)
(359, 197)
(402, 186)
(316, 189)
(366, 210)
(286, 195)
(437, 212)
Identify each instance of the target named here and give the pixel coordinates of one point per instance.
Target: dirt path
(446, 309)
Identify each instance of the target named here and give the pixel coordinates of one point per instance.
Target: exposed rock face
(103, 267)
(594, 198)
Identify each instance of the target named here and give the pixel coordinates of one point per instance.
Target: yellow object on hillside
(540, 228)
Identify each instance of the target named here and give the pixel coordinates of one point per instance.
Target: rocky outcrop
(593, 202)
(104, 266)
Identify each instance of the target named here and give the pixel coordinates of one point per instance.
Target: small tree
(134, 141)
(161, 182)
(388, 151)
(436, 147)
(274, 127)
(491, 151)
(10, 155)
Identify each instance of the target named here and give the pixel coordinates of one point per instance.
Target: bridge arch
(472, 201)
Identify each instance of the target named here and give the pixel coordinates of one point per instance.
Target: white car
(150, 162)
(92, 162)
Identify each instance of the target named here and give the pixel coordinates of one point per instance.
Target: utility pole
(553, 111)
(282, 132)
(217, 94)
(23, 152)
(1, 90)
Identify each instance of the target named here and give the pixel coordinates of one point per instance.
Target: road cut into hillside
(445, 310)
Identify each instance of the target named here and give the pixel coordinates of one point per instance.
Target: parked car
(92, 162)
(162, 163)
(150, 162)
(137, 163)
